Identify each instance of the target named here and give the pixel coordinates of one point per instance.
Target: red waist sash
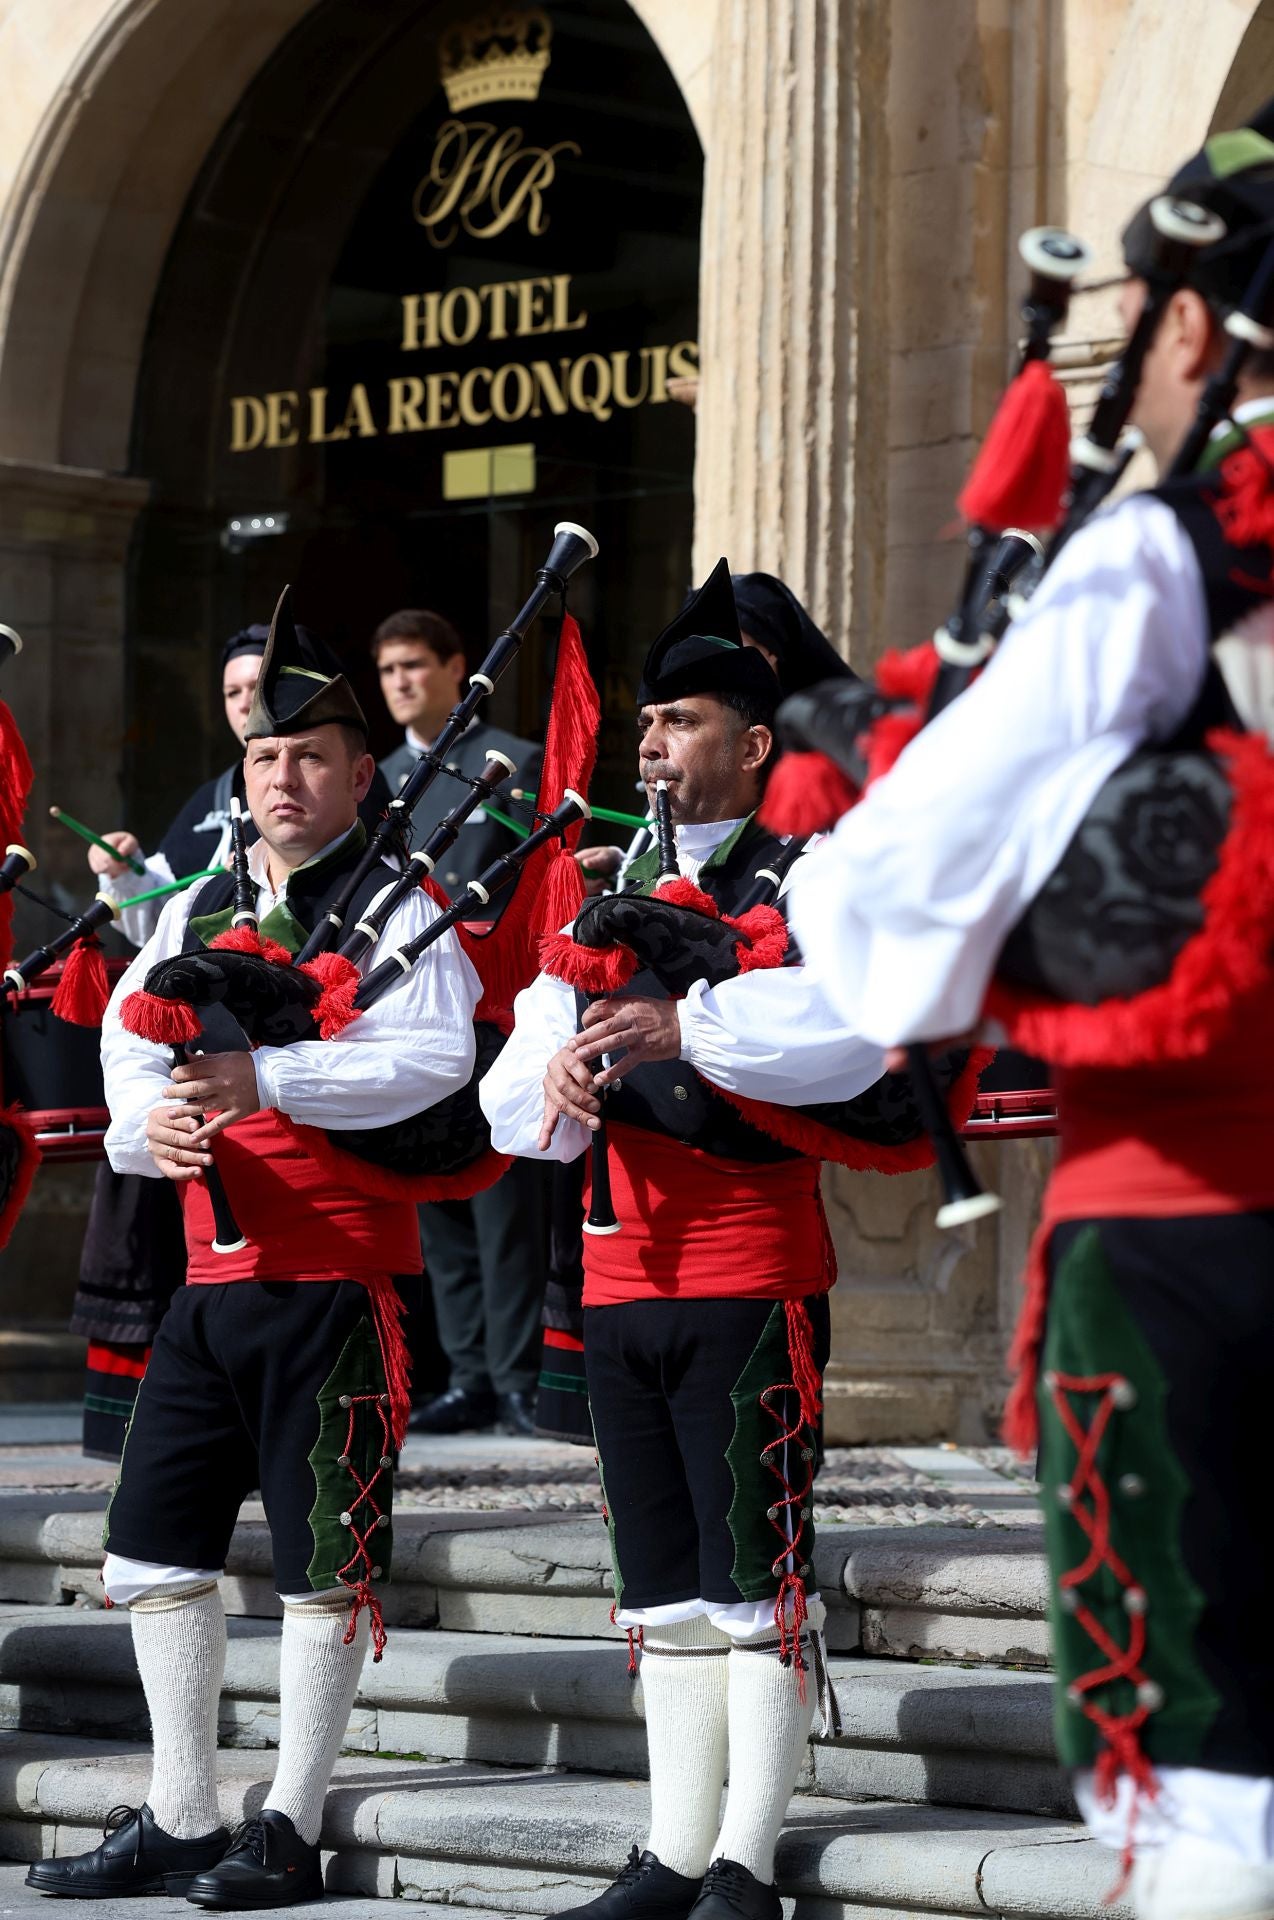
(299, 1222)
(1190, 1138)
(698, 1227)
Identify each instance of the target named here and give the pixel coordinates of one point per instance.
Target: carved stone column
(790, 241)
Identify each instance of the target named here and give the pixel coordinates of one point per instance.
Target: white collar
(1251, 409)
(704, 837)
(418, 745)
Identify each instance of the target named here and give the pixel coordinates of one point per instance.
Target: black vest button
(681, 1093)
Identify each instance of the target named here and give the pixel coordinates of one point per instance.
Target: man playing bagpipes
(1081, 845)
(280, 1364)
(707, 1262)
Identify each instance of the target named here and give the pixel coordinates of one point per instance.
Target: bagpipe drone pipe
(665, 941)
(277, 1000)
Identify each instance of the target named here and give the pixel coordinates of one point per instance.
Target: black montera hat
(1231, 175)
(301, 684)
(700, 651)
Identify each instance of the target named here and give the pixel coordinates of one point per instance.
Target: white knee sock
(769, 1729)
(683, 1684)
(318, 1678)
(179, 1638)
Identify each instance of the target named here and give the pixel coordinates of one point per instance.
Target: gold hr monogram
(483, 181)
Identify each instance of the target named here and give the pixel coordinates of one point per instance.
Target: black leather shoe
(268, 1865)
(135, 1857)
(459, 1410)
(730, 1892)
(645, 1890)
(517, 1414)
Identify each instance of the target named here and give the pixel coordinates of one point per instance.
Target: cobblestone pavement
(891, 1486)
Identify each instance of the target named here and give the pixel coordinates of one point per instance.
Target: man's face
(238, 684)
(303, 790)
(709, 758)
(420, 689)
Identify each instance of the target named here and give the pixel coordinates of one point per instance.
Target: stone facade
(868, 167)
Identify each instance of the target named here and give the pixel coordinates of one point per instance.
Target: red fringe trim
(794, 1129)
(29, 1158)
(166, 1023)
(591, 969)
(340, 980)
(248, 940)
(387, 1312)
(806, 793)
(381, 1184)
(1229, 957)
(83, 990)
(1021, 1426)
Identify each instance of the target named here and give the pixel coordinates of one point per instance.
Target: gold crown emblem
(500, 55)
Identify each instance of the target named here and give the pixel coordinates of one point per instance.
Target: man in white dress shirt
(1157, 1246)
(277, 1362)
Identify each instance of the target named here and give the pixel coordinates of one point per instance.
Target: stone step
(967, 1594)
(534, 1842)
(979, 1738)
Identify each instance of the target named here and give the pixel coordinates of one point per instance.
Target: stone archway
(98, 184)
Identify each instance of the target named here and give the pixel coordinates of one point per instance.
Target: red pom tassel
(84, 989)
(563, 894)
(807, 793)
(166, 1022)
(684, 893)
(340, 981)
(591, 969)
(1019, 477)
(764, 942)
(909, 675)
(249, 940)
(1021, 1412)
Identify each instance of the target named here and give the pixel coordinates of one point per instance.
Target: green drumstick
(96, 840)
(173, 886)
(599, 813)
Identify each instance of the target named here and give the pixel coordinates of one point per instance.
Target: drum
(1014, 1100)
(54, 1070)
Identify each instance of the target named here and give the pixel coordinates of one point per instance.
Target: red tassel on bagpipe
(340, 980)
(1023, 466)
(806, 793)
(83, 990)
(248, 940)
(167, 1023)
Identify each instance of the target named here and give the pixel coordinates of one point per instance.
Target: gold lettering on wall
(592, 383)
(483, 181)
(455, 318)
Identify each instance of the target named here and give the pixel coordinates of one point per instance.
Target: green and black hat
(301, 684)
(1232, 175)
(701, 650)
